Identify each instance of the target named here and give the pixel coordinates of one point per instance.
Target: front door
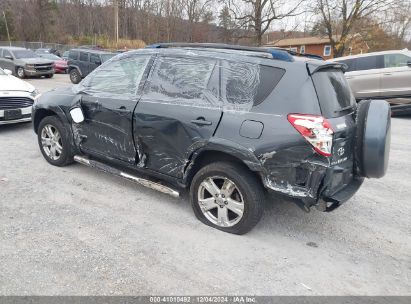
(178, 112)
(108, 100)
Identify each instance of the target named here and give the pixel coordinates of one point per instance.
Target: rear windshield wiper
(350, 107)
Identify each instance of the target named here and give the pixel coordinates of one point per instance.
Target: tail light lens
(316, 130)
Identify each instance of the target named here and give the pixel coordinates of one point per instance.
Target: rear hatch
(338, 106)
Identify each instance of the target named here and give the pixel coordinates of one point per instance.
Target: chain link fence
(38, 45)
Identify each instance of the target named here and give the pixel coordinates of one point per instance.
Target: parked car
(23, 62)
(83, 61)
(48, 51)
(381, 75)
(16, 98)
(60, 65)
(226, 122)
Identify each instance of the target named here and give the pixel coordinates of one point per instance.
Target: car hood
(36, 60)
(11, 83)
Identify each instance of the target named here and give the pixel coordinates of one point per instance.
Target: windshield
(333, 92)
(24, 54)
(50, 56)
(105, 57)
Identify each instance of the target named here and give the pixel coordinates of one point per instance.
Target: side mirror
(8, 72)
(77, 115)
(8, 57)
(98, 62)
(409, 63)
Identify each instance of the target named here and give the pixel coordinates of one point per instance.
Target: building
(320, 45)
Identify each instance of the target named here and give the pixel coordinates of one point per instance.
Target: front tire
(49, 75)
(227, 196)
(20, 73)
(53, 142)
(75, 76)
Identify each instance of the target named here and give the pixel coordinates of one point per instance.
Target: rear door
(84, 64)
(396, 76)
(179, 111)
(7, 63)
(365, 76)
(108, 99)
(338, 105)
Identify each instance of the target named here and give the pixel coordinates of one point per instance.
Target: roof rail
(279, 54)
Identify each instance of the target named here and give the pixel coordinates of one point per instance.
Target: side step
(145, 182)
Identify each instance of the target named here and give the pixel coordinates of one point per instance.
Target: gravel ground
(76, 231)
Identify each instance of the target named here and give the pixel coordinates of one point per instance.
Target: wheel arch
(207, 156)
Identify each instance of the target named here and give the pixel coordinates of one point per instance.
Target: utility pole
(7, 28)
(115, 2)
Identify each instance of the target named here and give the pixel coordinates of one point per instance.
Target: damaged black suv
(226, 122)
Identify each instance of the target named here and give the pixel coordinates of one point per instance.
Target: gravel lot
(76, 231)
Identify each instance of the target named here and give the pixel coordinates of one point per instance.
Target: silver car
(383, 75)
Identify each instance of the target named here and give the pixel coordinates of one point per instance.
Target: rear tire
(236, 206)
(53, 142)
(75, 76)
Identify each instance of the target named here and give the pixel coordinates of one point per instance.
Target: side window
(350, 64)
(327, 50)
(396, 60)
(368, 63)
(6, 53)
(94, 58)
(183, 81)
(245, 85)
(83, 56)
(120, 77)
(73, 55)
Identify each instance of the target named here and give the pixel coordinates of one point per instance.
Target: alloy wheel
(51, 142)
(221, 201)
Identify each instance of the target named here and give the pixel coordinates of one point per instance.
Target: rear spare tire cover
(373, 138)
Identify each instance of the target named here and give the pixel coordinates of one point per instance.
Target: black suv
(82, 62)
(226, 122)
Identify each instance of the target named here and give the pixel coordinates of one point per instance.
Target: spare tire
(373, 138)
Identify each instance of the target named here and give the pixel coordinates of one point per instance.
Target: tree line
(228, 21)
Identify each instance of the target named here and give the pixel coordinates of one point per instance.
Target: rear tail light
(316, 130)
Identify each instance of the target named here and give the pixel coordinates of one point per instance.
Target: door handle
(387, 74)
(200, 121)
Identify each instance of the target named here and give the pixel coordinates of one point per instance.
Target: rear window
(73, 55)
(83, 56)
(333, 92)
(246, 85)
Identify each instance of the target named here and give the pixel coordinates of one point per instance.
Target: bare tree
(258, 15)
(338, 17)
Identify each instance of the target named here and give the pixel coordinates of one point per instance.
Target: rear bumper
(337, 199)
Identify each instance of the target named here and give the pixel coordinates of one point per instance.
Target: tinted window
(94, 58)
(73, 55)
(349, 63)
(83, 56)
(246, 84)
(120, 77)
(368, 63)
(182, 80)
(396, 60)
(333, 92)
